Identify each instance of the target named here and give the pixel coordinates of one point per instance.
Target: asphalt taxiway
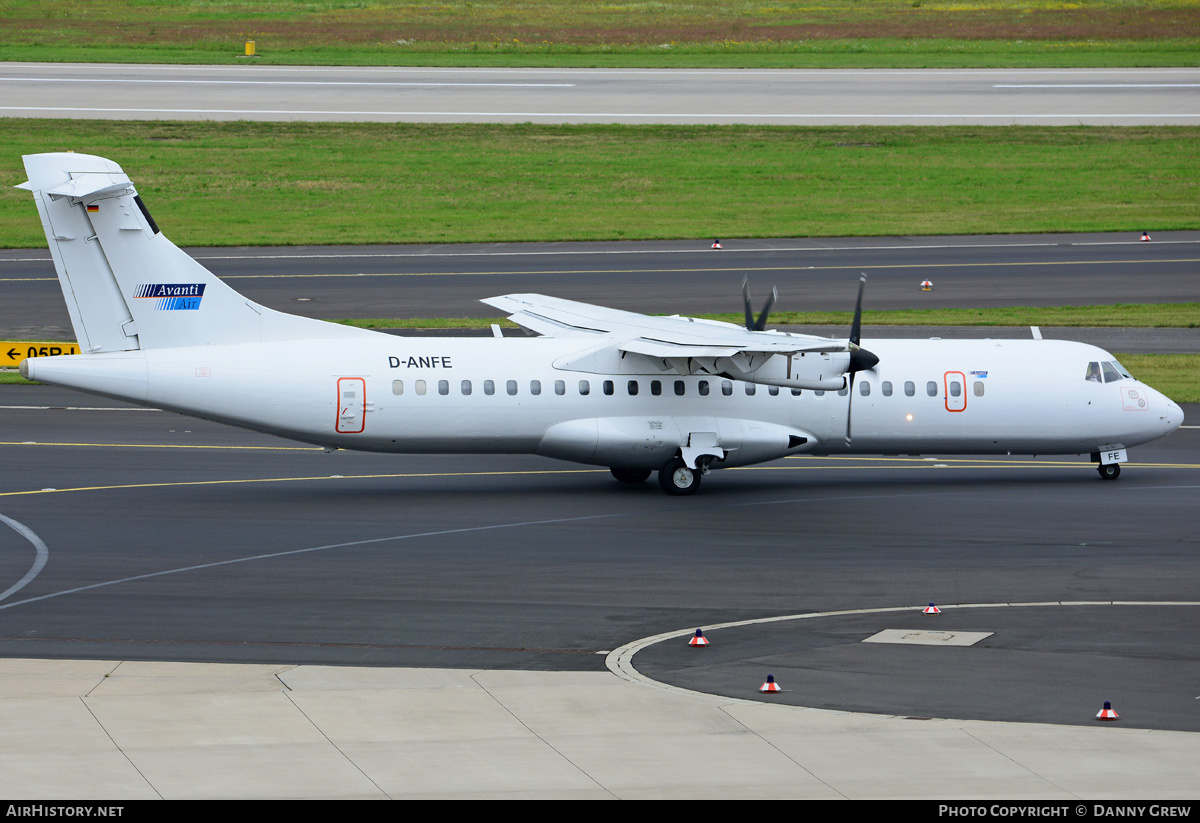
(197, 611)
(142, 553)
(170, 538)
(685, 277)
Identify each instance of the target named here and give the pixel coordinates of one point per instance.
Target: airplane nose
(1173, 417)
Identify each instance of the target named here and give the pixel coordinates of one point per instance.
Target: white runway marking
(620, 661)
(1097, 86)
(281, 82)
(41, 556)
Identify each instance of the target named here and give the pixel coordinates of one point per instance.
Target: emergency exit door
(352, 405)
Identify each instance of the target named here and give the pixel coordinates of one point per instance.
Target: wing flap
(654, 336)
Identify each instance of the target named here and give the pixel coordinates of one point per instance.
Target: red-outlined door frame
(955, 404)
(351, 405)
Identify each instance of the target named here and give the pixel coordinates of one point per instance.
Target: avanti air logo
(172, 296)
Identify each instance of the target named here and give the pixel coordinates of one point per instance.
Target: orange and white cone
(926, 285)
(1107, 712)
(698, 639)
(931, 609)
(717, 244)
(770, 685)
(1145, 237)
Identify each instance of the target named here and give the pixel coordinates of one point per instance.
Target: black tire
(632, 476)
(676, 478)
(1109, 471)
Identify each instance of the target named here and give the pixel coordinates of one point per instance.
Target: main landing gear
(631, 476)
(676, 478)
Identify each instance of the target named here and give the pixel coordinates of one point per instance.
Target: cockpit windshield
(1108, 371)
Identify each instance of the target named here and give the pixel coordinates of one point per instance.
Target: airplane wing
(662, 337)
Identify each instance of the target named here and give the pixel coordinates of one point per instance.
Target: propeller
(761, 323)
(860, 358)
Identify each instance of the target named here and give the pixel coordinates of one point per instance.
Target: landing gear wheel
(1109, 471)
(676, 478)
(632, 476)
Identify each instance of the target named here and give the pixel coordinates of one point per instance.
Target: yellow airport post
(250, 48)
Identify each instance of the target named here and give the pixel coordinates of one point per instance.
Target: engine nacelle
(815, 370)
(648, 442)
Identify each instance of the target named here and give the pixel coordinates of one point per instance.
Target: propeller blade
(761, 323)
(860, 358)
(849, 407)
(746, 304)
(856, 326)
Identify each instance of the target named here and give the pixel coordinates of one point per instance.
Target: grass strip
(1148, 315)
(639, 33)
(245, 183)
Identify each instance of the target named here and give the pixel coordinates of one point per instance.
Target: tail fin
(127, 286)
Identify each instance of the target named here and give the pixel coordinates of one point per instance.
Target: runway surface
(684, 277)
(1121, 96)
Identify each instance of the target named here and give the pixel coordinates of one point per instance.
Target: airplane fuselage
(598, 385)
(560, 398)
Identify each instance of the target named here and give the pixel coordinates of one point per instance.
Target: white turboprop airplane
(611, 388)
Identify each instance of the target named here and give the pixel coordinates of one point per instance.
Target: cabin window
(560, 387)
(397, 387)
(656, 387)
(796, 392)
(819, 392)
(978, 388)
(931, 388)
(886, 388)
(420, 387)
(608, 387)
(751, 389)
(466, 387)
(535, 387)
(511, 387)
(703, 387)
(864, 388)
(585, 387)
(489, 387)
(1093, 371)
(680, 388)
(773, 391)
(726, 387)
(632, 387)
(955, 388)
(843, 392)
(443, 387)
(910, 388)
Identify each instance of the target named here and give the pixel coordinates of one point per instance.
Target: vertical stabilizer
(126, 285)
(62, 186)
